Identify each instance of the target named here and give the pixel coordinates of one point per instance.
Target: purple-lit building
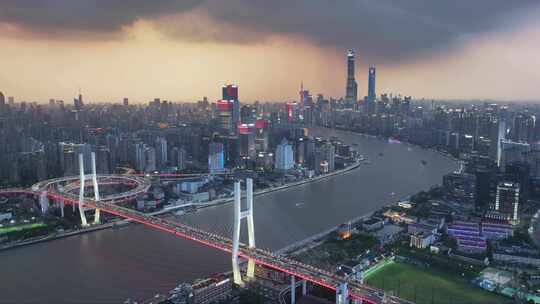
(468, 235)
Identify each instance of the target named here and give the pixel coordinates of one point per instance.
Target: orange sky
(142, 63)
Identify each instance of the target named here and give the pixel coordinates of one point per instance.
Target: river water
(109, 266)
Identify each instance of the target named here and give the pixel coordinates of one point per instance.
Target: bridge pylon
(43, 201)
(238, 216)
(342, 294)
(84, 223)
(96, 189)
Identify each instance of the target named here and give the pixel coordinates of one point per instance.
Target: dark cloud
(101, 16)
(379, 29)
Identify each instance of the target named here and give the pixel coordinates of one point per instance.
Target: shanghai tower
(352, 87)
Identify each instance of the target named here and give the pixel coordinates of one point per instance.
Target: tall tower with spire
(351, 96)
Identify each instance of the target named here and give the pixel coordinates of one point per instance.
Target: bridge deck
(263, 257)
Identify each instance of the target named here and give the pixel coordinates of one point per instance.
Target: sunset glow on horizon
(150, 58)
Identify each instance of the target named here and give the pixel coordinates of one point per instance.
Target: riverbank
(261, 192)
(213, 203)
(439, 151)
(56, 236)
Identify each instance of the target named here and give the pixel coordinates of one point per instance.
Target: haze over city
(183, 50)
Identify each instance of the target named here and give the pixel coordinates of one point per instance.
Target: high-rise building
(126, 101)
(462, 186)
(69, 157)
(284, 156)
(216, 157)
(370, 99)
(150, 159)
(371, 84)
(511, 152)
(351, 96)
(225, 116)
(179, 158)
(523, 127)
(230, 93)
(507, 200)
(305, 101)
(324, 158)
(103, 160)
(291, 110)
(2, 99)
(248, 114)
(140, 159)
(246, 140)
(161, 151)
(501, 136)
(78, 102)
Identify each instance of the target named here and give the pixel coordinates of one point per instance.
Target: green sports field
(425, 286)
(21, 227)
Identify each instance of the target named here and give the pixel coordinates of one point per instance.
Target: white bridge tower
(238, 216)
(96, 189)
(82, 186)
(84, 223)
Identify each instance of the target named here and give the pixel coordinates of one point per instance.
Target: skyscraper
(507, 200)
(225, 115)
(216, 157)
(161, 151)
(2, 99)
(371, 84)
(501, 136)
(284, 156)
(352, 87)
(230, 93)
(78, 102)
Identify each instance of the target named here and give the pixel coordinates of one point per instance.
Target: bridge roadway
(357, 291)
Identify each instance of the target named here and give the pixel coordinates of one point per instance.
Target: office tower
(139, 156)
(325, 158)
(216, 157)
(519, 172)
(371, 84)
(225, 116)
(351, 96)
(291, 110)
(11, 100)
(507, 200)
(523, 128)
(305, 101)
(246, 140)
(261, 135)
(78, 102)
(179, 158)
(103, 160)
(501, 136)
(248, 114)
(150, 159)
(126, 101)
(2, 99)
(461, 186)
(161, 151)
(511, 152)
(69, 157)
(284, 156)
(230, 93)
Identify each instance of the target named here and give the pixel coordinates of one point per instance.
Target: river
(136, 262)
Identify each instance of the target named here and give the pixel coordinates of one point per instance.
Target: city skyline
(182, 52)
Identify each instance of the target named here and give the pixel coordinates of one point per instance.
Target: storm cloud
(380, 29)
